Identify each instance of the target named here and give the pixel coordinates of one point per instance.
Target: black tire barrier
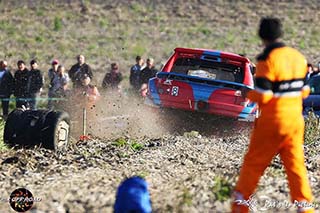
(45, 128)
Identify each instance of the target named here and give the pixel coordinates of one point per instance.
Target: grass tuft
(57, 24)
(186, 198)
(142, 174)
(39, 39)
(136, 146)
(221, 189)
(120, 142)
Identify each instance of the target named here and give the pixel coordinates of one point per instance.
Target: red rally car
(204, 80)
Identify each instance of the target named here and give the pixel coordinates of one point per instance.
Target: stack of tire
(44, 128)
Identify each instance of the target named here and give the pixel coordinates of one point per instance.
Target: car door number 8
(175, 91)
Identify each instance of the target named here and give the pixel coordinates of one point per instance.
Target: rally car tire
(45, 128)
(57, 135)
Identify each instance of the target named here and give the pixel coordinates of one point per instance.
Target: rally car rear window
(208, 69)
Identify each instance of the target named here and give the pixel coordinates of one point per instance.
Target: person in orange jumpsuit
(279, 91)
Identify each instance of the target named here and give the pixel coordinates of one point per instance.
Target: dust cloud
(117, 115)
(126, 115)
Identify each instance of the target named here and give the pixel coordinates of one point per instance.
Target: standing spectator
(310, 71)
(52, 72)
(83, 97)
(87, 90)
(35, 84)
(148, 72)
(113, 78)
(21, 77)
(59, 86)
(135, 73)
(6, 87)
(316, 70)
(78, 70)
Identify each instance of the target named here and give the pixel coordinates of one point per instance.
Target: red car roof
(223, 54)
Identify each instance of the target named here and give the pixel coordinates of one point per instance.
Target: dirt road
(186, 172)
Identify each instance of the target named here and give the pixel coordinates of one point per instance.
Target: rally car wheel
(62, 134)
(45, 128)
(56, 136)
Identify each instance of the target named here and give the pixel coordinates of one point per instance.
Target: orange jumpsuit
(280, 89)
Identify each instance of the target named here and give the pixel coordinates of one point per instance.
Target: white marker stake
(84, 121)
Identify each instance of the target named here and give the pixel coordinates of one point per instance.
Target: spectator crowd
(26, 84)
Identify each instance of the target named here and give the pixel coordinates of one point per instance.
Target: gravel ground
(183, 170)
(190, 165)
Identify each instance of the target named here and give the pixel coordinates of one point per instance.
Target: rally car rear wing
(217, 83)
